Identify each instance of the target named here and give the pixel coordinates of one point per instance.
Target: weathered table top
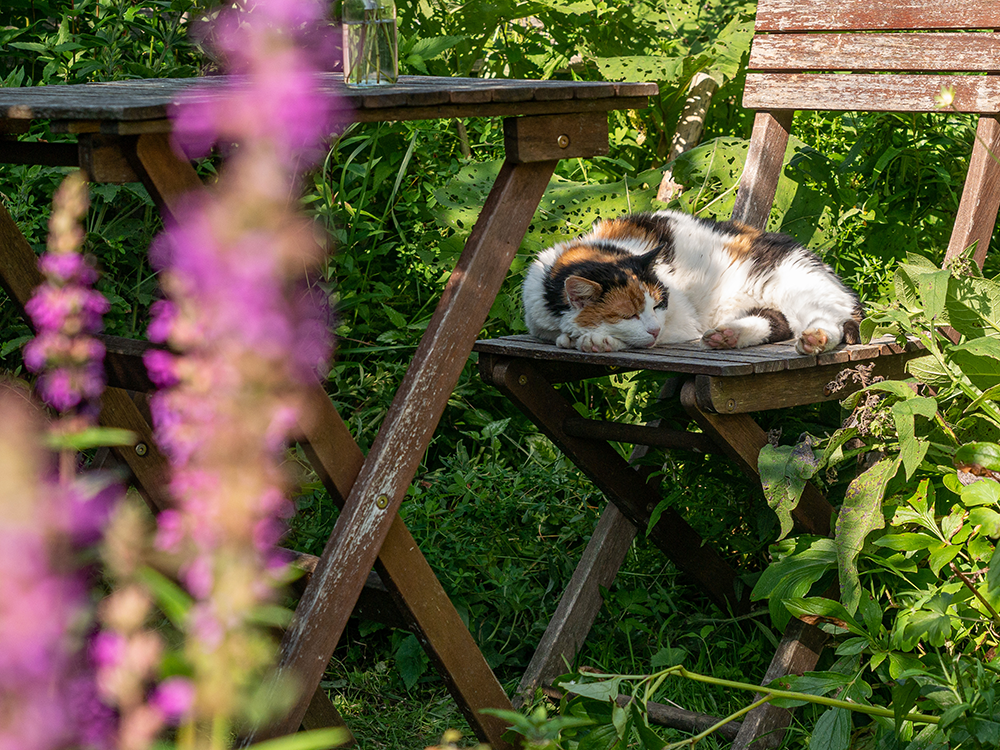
(412, 98)
(692, 358)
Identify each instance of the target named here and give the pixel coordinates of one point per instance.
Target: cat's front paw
(721, 338)
(565, 341)
(814, 341)
(597, 342)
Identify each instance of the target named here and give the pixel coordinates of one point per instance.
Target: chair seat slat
(939, 53)
(876, 15)
(870, 92)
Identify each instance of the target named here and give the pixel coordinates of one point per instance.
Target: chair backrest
(881, 56)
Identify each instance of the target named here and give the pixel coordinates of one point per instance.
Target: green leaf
(983, 491)
(986, 455)
(988, 519)
(784, 471)
(820, 606)
(978, 360)
(603, 690)
(411, 661)
(907, 541)
(832, 730)
(794, 575)
(928, 369)
(973, 305)
(860, 514)
(313, 739)
(649, 739)
(942, 555)
(904, 698)
(925, 625)
(912, 449)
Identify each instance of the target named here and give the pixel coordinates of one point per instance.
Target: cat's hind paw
(814, 341)
(721, 338)
(596, 342)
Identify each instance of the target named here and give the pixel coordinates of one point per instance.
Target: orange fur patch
(617, 304)
(581, 253)
(739, 246)
(623, 229)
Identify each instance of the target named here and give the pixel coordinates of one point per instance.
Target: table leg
(375, 497)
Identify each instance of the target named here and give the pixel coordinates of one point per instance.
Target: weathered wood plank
(759, 180)
(153, 99)
(555, 137)
(886, 15)
(938, 53)
(977, 212)
(870, 92)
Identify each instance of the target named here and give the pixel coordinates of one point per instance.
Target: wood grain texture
(762, 170)
(153, 99)
(870, 92)
(620, 483)
(873, 15)
(103, 159)
(798, 652)
(741, 439)
(937, 53)
(406, 431)
(19, 274)
(977, 211)
(555, 137)
(408, 578)
(167, 177)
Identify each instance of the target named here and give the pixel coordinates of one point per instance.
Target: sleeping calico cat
(652, 279)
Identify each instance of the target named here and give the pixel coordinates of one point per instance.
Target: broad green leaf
(986, 455)
(603, 690)
(988, 519)
(784, 471)
(656, 68)
(924, 625)
(730, 46)
(907, 541)
(601, 737)
(650, 740)
(860, 514)
(981, 492)
(832, 730)
(979, 360)
(904, 698)
(820, 606)
(912, 449)
(411, 661)
(928, 369)
(810, 683)
(973, 305)
(993, 573)
(900, 663)
(793, 576)
(941, 555)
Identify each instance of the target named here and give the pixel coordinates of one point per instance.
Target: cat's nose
(654, 332)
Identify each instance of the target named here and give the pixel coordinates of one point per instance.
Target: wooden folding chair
(839, 55)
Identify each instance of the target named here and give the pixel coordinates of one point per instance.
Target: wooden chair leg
(741, 438)
(798, 652)
(977, 212)
(620, 483)
(579, 604)
(581, 601)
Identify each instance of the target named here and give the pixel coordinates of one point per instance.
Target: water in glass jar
(370, 52)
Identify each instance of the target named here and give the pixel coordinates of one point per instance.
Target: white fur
(709, 295)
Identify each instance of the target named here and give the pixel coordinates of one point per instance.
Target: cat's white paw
(597, 342)
(815, 341)
(721, 338)
(565, 341)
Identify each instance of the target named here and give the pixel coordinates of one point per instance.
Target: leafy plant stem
(818, 699)
(692, 741)
(968, 584)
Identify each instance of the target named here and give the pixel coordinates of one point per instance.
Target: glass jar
(371, 48)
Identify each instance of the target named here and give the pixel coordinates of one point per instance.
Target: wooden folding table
(122, 135)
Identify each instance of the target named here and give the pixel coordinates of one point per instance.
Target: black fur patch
(780, 330)
(606, 273)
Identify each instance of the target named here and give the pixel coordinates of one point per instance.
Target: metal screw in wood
(731, 404)
(382, 502)
(563, 141)
(141, 449)
(523, 380)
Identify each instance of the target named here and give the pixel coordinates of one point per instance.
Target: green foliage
(915, 549)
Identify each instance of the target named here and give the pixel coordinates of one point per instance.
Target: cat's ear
(581, 292)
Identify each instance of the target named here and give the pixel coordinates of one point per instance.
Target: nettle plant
(914, 550)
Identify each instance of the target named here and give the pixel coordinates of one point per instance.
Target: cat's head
(631, 309)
